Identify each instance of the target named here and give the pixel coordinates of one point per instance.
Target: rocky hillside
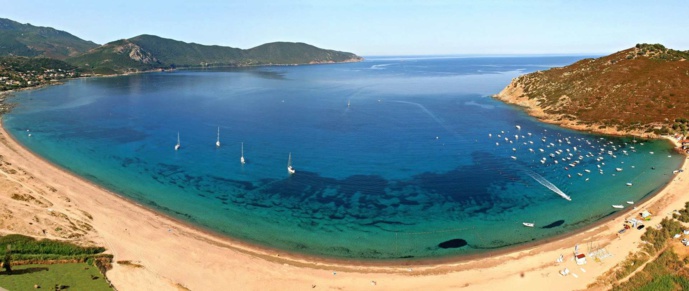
(147, 52)
(26, 40)
(643, 90)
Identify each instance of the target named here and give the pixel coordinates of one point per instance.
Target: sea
(395, 158)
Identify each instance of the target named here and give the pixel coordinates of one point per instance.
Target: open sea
(395, 158)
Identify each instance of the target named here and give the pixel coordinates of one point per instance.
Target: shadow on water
(555, 224)
(453, 243)
(370, 201)
(373, 200)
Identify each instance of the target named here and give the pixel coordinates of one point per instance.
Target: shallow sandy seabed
(166, 254)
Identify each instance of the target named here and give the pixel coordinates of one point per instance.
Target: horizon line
(484, 55)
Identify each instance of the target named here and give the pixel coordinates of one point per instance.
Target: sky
(376, 27)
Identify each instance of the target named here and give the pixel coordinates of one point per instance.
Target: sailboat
(241, 159)
(178, 144)
(217, 143)
(290, 170)
(528, 224)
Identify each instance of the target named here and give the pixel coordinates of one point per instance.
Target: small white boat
(217, 143)
(513, 157)
(528, 224)
(618, 206)
(241, 159)
(630, 202)
(518, 127)
(618, 169)
(629, 183)
(290, 170)
(178, 145)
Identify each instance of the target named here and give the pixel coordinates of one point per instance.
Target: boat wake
(541, 180)
(424, 109)
(379, 66)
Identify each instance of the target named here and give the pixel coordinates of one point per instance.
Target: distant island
(641, 91)
(141, 53)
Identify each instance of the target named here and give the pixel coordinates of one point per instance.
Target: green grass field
(79, 276)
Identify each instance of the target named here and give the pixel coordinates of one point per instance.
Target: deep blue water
(407, 170)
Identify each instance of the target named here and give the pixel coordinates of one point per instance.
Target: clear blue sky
(376, 27)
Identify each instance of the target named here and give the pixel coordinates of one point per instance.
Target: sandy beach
(164, 254)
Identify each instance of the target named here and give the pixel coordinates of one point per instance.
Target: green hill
(295, 53)
(148, 52)
(18, 39)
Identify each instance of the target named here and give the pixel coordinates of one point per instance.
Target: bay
(395, 157)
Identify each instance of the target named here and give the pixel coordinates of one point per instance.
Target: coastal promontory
(148, 52)
(24, 42)
(642, 91)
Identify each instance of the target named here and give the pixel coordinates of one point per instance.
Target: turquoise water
(406, 170)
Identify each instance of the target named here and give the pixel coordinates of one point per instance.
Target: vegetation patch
(129, 264)
(667, 272)
(28, 248)
(75, 276)
(682, 215)
(644, 86)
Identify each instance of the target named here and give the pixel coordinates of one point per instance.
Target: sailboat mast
(241, 159)
(217, 143)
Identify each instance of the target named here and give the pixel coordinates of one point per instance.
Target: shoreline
(514, 94)
(284, 256)
(287, 256)
(149, 228)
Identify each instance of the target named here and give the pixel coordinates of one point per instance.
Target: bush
(24, 245)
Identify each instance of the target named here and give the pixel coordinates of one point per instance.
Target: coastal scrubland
(660, 264)
(641, 90)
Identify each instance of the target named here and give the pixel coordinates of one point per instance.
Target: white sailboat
(217, 143)
(241, 159)
(290, 170)
(528, 224)
(178, 145)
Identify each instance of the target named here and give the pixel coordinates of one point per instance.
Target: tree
(6, 262)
